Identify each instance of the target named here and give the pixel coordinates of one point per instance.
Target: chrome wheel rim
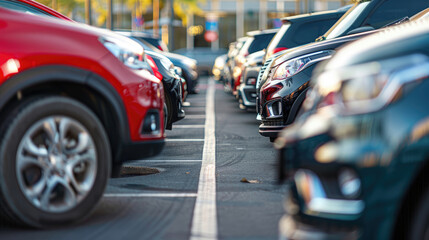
(56, 164)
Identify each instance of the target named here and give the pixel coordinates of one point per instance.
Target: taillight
(152, 64)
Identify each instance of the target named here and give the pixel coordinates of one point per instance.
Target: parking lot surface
(157, 198)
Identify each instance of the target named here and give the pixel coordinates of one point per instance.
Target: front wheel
(55, 161)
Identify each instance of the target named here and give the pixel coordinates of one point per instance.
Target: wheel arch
(79, 84)
(409, 203)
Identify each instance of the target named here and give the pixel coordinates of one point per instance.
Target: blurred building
(236, 17)
(222, 20)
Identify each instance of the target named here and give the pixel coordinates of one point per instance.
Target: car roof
(136, 34)
(312, 16)
(44, 8)
(262, 32)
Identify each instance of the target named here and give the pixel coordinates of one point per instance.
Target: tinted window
(392, 10)
(260, 42)
(145, 45)
(21, 7)
(277, 40)
(308, 32)
(152, 41)
(346, 21)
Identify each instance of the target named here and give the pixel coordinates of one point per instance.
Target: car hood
(319, 46)
(394, 41)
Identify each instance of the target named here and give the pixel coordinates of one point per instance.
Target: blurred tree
(139, 7)
(65, 7)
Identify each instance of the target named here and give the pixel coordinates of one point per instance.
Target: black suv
(358, 159)
(284, 82)
(296, 30)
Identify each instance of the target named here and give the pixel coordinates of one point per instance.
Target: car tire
(419, 228)
(165, 115)
(55, 161)
(170, 111)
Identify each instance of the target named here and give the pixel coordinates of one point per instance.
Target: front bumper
(133, 151)
(270, 131)
(292, 228)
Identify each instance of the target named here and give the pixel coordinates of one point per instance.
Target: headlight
(219, 63)
(349, 182)
(291, 67)
(370, 86)
(126, 51)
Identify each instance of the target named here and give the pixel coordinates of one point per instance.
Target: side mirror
(361, 29)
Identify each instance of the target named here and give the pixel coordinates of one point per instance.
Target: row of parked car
(348, 116)
(76, 102)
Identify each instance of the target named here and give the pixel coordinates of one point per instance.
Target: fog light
(350, 184)
(151, 123)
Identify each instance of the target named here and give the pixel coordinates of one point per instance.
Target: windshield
(346, 21)
(275, 42)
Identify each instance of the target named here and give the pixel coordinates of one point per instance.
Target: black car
(302, 29)
(358, 159)
(149, 38)
(188, 65)
(172, 88)
(284, 83)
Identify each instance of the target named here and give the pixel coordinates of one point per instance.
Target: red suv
(75, 102)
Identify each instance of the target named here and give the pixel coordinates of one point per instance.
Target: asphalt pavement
(170, 197)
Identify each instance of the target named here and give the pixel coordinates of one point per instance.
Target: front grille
(258, 82)
(273, 122)
(261, 72)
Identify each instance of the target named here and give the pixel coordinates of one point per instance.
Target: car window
(308, 32)
(346, 21)
(260, 43)
(276, 41)
(17, 6)
(392, 10)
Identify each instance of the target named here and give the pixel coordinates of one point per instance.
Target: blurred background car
(255, 41)
(247, 91)
(358, 157)
(187, 65)
(76, 102)
(205, 57)
(172, 87)
(218, 67)
(234, 49)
